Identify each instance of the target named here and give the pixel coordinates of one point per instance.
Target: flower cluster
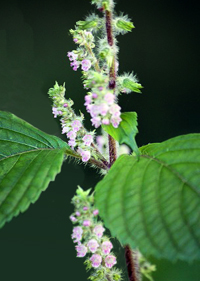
(100, 101)
(90, 239)
(72, 125)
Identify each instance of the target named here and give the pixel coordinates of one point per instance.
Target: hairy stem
(132, 264)
(112, 78)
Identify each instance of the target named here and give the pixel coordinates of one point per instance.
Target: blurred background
(163, 50)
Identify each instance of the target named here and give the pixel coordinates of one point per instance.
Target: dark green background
(164, 51)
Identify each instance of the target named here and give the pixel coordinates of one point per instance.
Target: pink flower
(88, 139)
(105, 121)
(109, 98)
(85, 208)
(65, 129)
(95, 110)
(86, 222)
(110, 261)
(71, 135)
(103, 108)
(77, 233)
(86, 64)
(56, 112)
(92, 245)
(85, 155)
(115, 121)
(74, 65)
(106, 246)
(72, 218)
(72, 143)
(96, 260)
(78, 214)
(72, 56)
(76, 125)
(95, 212)
(96, 121)
(115, 110)
(81, 250)
(98, 230)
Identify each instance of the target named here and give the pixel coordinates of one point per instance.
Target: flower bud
(124, 25)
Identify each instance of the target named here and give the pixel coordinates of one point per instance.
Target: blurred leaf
(126, 131)
(29, 160)
(154, 203)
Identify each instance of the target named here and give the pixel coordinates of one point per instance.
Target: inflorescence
(88, 235)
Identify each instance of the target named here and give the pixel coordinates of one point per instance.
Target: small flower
(72, 56)
(110, 261)
(96, 121)
(88, 139)
(98, 230)
(72, 218)
(78, 214)
(81, 250)
(77, 233)
(95, 212)
(56, 112)
(76, 125)
(74, 65)
(85, 155)
(109, 98)
(65, 129)
(85, 208)
(72, 143)
(86, 222)
(115, 121)
(92, 245)
(86, 64)
(106, 246)
(96, 260)
(71, 135)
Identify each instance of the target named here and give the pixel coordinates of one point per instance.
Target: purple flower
(88, 139)
(85, 208)
(56, 112)
(86, 222)
(98, 230)
(109, 98)
(95, 212)
(85, 155)
(110, 261)
(77, 233)
(96, 260)
(72, 56)
(86, 64)
(96, 121)
(74, 65)
(76, 125)
(92, 245)
(106, 246)
(72, 143)
(72, 218)
(81, 250)
(71, 135)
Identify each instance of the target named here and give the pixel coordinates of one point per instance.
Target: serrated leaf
(126, 131)
(29, 160)
(154, 203)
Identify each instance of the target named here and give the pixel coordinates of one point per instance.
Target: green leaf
(126, 131)
(131, 85)
(29, 160)
(154, 203)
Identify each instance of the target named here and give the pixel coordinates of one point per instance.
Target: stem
(132, 264)
(131, 257)
(112, 79)
(112, 150)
